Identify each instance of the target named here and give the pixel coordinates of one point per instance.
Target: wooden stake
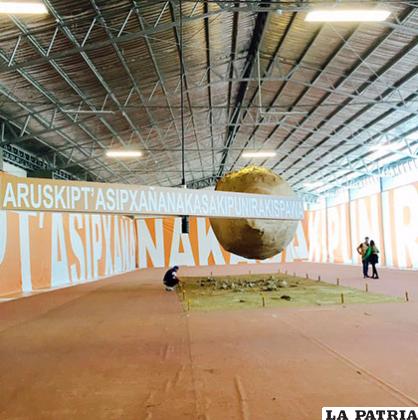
(367, 287)
(342, 298)
(406, 296)
(263, 299)
(307, 276)
(319, 278)
(188, 304)
(338, 281)
(183, 294)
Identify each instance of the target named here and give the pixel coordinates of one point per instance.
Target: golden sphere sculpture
(254, 238)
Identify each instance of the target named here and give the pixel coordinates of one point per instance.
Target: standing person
(362, 250)
(170, 278)
(373, 257)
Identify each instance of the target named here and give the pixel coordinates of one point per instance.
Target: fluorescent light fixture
(80, 111)
(347, 15)
(387, 147)
(377, 147)
(258, 154)
(413, 136)
(286, 113)
(123, 153)
(316, 184)
(22, 8)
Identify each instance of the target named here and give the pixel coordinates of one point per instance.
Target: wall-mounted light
(347, 15)
(266, 154)
(22, 8)
(123, 153)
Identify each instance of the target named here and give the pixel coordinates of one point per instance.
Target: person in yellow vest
(362, 250)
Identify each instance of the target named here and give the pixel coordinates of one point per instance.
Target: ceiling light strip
(347, 15)
(20, 8)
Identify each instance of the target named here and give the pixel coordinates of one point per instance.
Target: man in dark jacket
(170, 278)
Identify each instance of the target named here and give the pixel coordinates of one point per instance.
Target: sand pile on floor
(269, 284)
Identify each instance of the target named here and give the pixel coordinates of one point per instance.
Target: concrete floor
(124, 348)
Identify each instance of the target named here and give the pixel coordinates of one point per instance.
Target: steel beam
(248, 7)
(343, 80)
(253, 49)
(98, 76)
(90, 46)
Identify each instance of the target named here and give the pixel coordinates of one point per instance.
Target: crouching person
(170, 278)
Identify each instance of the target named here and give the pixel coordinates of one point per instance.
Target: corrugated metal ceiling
(94, 75)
